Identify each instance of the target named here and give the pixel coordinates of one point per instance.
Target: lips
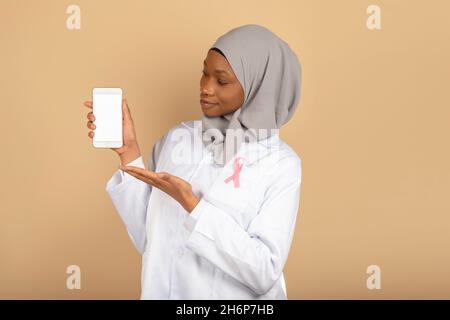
(206, 104)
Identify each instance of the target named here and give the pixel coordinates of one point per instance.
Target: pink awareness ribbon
(237, 166)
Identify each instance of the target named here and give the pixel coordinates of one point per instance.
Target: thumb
(126, 110)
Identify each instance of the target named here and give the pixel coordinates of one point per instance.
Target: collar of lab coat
(225, 195)
(255, 151)
(250, 151)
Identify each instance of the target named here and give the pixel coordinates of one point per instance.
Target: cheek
(222, 96)
(228, 94)
(236, 98)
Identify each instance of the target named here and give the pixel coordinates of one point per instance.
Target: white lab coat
(235, 242)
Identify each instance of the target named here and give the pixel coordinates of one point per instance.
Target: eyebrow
(217, 70)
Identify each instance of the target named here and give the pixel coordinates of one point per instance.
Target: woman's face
(219, 86)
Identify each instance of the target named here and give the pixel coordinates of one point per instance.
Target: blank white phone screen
(108, 116)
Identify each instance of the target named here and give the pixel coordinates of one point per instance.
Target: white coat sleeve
(255, 257)
(130, 197)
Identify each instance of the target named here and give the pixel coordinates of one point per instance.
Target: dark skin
(218, 84)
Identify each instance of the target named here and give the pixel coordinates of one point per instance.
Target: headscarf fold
(270, 74)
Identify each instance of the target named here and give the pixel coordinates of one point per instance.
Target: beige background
(372, 130)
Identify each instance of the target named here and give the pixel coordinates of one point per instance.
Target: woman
(218, 221)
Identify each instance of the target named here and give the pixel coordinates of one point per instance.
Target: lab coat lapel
(238, 180)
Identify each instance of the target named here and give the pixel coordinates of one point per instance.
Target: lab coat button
(180, 251)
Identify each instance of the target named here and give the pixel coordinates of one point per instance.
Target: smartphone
(107, 109)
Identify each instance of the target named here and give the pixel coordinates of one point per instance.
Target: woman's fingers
(144, 175)
(140, 172)
(91, 116)
(88, 104)
(91, 119)
(90, 125)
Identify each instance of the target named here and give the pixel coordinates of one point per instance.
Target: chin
(211, 113)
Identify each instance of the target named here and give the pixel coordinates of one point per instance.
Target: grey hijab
(270, 74)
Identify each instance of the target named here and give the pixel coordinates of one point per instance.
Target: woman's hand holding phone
(176, 187)
(130, 149)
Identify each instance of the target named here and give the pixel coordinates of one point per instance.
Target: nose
(206, 88)
(205, 91)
